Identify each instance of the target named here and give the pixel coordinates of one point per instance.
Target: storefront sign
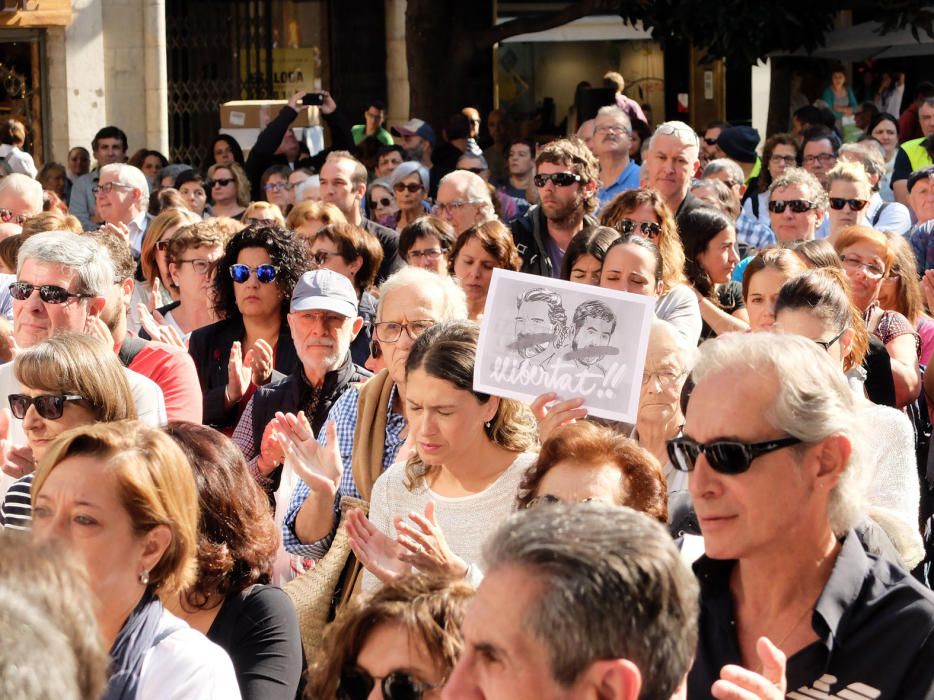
(35, 13)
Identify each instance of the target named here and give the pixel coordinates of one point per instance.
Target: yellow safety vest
(917, 154)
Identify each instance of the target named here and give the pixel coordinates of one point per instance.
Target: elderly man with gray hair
(670, 163)
(464, 200)
(122, 194)
(790, 600)
(20, 198)
(62, 284)
(583, 600)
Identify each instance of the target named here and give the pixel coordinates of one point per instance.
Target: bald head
(21, 195)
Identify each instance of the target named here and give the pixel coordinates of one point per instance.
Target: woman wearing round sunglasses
(229, 190)
(153, 260)
(583, 259)
(434, 511)
(403, 642)
(67, 381)
(710, 251)
(410, 183)
(643, 212)
(381, 203)
(357, 254)
(426, 243)
(848, 192)
(252, 289)
(867, 259)
(817, 305)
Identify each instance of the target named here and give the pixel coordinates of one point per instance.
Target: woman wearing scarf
(122, 497)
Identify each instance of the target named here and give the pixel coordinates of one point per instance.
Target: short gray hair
(813, 402)
(802, 178)
(129, 175)
(454, 301)
(474, 189)
(616, 113)
(681, 131)
(870, 158)
(686, 352)
(725, 165)
(92, 264)
(27, 188)
(612, 585)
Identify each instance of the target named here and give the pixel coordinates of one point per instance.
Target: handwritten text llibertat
(565, 378)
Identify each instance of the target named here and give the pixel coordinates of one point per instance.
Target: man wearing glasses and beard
(566, 180)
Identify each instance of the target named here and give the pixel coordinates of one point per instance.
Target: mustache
(321, 342)
(524, 340)
(591, 351)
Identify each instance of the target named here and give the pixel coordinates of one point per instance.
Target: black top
(529, 233)
(880, 387)
(389, 240)
(210, 347)
(258, 628)
(730, 300)
(874, 622)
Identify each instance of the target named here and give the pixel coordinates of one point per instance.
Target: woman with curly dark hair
(252, 289)
(230, 601)
(405, 638)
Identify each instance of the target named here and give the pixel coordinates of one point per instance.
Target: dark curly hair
(237, 536)
(287, 254)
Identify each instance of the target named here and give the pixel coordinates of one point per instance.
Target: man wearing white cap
(418, 140)
(323, 320)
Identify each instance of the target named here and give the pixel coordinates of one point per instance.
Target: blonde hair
(240, 178)
(155, 486)
(170, 218)
(310, 210)
(846, 171)
(263, 207)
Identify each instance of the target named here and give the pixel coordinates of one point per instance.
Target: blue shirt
(344, 415)
(627, 180)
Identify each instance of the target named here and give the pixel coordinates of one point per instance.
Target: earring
(144, 577)
(489, 424)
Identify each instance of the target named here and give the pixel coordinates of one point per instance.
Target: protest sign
(540, 334)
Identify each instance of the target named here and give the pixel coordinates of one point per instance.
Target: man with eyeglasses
(122, 202)
(369, 421)
(790, 601)
(62, 284)
(323, 320)
(797, 204)
(819, 152)
(510, 208)
(109, 146)
(611, 141)
(343, 184)
(464, 200)
(566, 180)
(670, 162)
(20, 198)
(374, 116)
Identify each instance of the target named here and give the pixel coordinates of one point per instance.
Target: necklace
(794, 627)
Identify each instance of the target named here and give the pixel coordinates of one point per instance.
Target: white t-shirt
(184, 665)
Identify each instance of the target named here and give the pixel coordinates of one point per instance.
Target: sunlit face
(663, 377)
(841, 218)
(382, 202)
(806, 324)
(35, 320)
(712, 151)
(224, 194)
(573, 482)
(40, 432)
(670, 164)
(886, 133)
(79, 505)
(764, 287)
(719, 258)
(387, 648)
(387, 163)
(253, 298)
(446, 423)
(405, 305)
(921, 199)
(864, 285)
(337, 186)
(79, 162)
(790, 226)
(586, 270)
(109, 151)
(120, 204)
(223, 153)
(462, 217)
(410, 200)
(473, 268)
(323, 247)
(195, 286)
(630, 268)
(322, 338)
(560, 202)
(162, 261)
(783, 157)
(611, 135)
(151, 166)
(818, 157)
(278, 191)
(194, 195)
(426, 252)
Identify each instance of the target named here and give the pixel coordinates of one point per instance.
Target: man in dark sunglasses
(566, 181)
(787, 589)
(797, 204)
(584, 600)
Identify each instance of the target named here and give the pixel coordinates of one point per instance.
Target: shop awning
(595, 28)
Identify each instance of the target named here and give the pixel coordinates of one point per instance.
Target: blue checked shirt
(344, 414)
(753, 233)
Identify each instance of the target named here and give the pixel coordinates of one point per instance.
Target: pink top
(926, 331)
(174, 371)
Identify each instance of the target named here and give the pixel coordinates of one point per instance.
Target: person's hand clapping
(425, 547)
(378, 552)
(319, 466)
(239, 375)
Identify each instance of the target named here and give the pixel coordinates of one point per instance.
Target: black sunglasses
(241, 273)
(384, 202)
(49, 293)
(221, 181)
(838, 203)
(357, 684)
(560, 179)
(412, 187)
(48, 406)
(724, 456)
(798, 206)
(648, 229)
(710, 142)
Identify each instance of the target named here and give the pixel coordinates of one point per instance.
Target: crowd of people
(244, 454)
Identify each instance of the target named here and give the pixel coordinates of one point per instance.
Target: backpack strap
(878, 214)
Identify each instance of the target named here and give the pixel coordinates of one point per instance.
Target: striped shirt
(16, 509)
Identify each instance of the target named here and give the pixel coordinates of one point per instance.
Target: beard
(563, 214)
(416, 153)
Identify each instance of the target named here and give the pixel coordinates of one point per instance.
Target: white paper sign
(540, 334)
